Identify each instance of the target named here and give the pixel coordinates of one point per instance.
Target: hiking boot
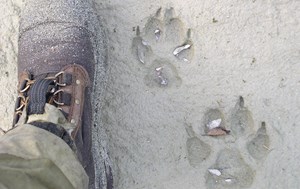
(56, 67)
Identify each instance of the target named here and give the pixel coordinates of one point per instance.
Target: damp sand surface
(173, 69)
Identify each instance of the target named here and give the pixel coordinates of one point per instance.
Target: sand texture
(167, 71)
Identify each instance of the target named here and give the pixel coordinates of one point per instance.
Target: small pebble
(215, 172)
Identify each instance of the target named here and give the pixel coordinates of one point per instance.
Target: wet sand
(154, 106)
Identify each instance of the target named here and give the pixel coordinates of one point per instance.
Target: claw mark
(140, 47)
(242, 121)
(169, 14)
(143, 48)
(154, 28)
(157, 32)
(157, 14)
(141, 51)
(258, 147)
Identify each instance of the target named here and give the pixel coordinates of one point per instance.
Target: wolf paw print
(161, 47)
(230, 169)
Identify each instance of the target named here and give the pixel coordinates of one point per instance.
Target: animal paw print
(230, 169)
(161, 46)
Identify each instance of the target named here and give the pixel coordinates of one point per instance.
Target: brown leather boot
(56, 66)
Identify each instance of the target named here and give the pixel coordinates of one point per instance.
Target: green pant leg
(34, 158)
